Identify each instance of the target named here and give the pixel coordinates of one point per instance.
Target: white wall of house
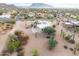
(41, 25)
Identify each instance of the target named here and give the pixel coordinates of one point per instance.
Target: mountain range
(40, 5)
(32, 5)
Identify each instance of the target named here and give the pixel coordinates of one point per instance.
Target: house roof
(43, 24)
(40, 25)
(72, 22)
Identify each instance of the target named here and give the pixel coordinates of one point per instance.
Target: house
(3, 16)
(71, 23)
(39, 25)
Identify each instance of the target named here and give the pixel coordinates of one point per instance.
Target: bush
(12, 16)
(9, 26)
(14, 13)
(1, 11)
(12, 21)
(19, 49)
(35, 52)
(71, 49)
(38, 17)
(72, 41)
(68, 37)
(65, 47)
(54, 26)
(49, 30)
(22, 37)
(17, 32)
(63, 34)
(52, 43)
(25, 37)
(25, 17)
(49, 17)
(20, 53)
(13, 43)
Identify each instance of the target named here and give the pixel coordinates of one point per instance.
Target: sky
(55, 3)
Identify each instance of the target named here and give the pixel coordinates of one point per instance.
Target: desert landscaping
(39, 32)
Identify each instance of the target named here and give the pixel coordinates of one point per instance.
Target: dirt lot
(41, 43)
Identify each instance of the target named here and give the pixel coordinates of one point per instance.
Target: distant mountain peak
(40, 5)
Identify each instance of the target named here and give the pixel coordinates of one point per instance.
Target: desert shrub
(21, 34)
(2, 23)
(68, 37)
(12, 16)
(35, 52)
(65, 47)
(17, 32)
(38, 17)
(20, 53)
(25, 37)
(54, 26)
(16, 41)
(19, 49)
(22, 37)
(13, 43)
(9, 26)
(1, 11)
(49, 17)
(72, 41)
(14, 12)
(26, 17)
(48, 36)
(71, 49)
(13, 21)
(52, 43)
(63, 34)
(49, 30)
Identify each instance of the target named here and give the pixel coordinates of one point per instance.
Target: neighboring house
(71, 23)
(40, 25)
(5, 17)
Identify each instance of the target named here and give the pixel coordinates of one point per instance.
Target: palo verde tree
(49, 31)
